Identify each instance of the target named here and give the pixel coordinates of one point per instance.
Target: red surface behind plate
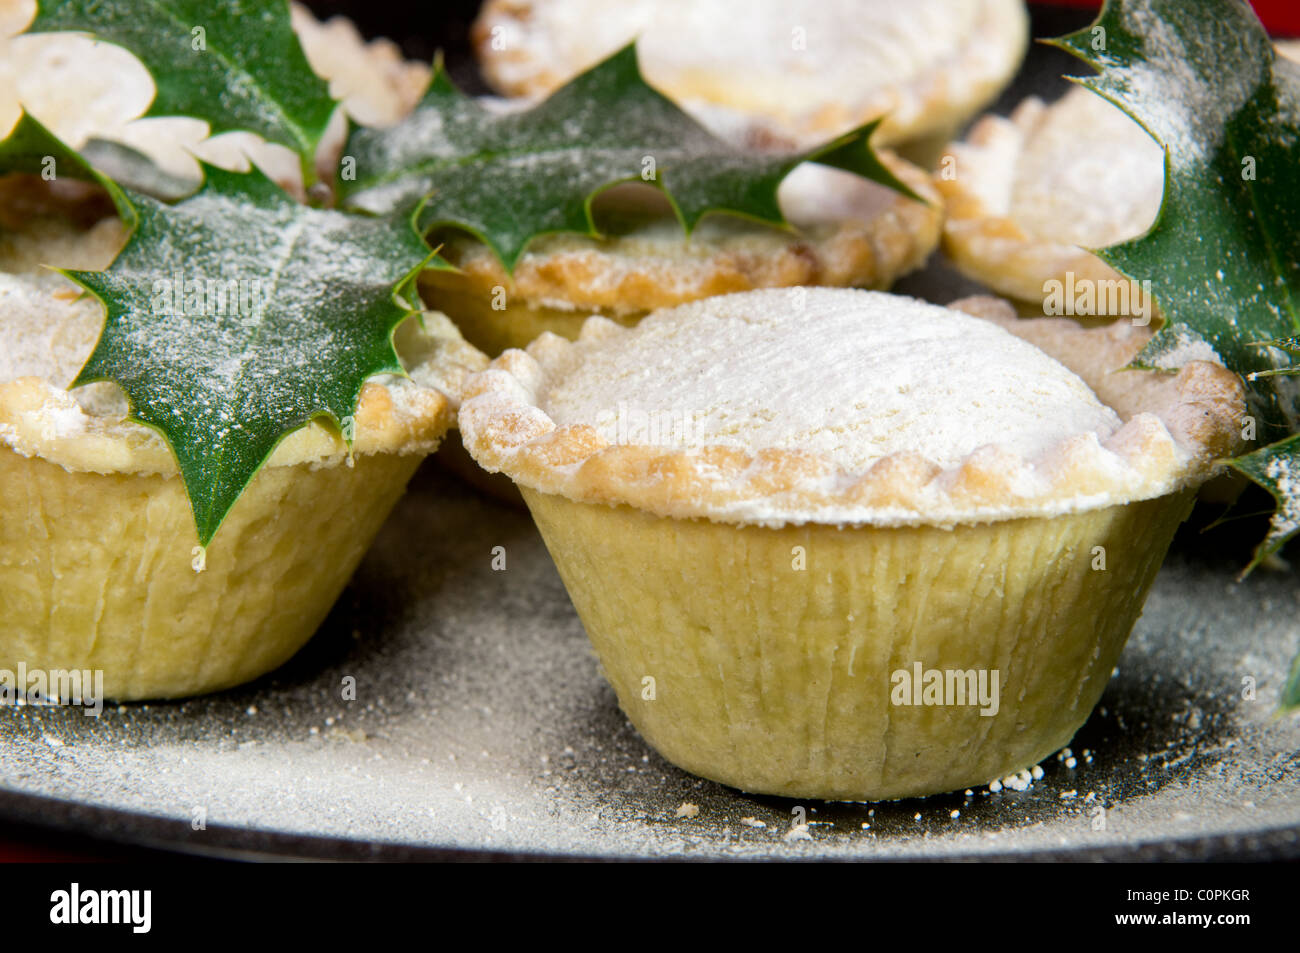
(1282, 17)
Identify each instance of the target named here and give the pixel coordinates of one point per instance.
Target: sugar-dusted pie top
(1028, 195)
(854, 376)
(847, 407)
(815, 68)
(1087, 173)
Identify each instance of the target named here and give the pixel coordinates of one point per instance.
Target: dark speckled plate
(483, 729)
(482, 725)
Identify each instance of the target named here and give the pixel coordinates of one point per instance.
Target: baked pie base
(751, 606)
(98, 551)
(97, 571)
(493, 330)
(777, 680)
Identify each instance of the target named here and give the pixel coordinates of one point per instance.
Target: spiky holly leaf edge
(301, 134)
(404, 291)
(850, 152)
(1250, 465)
(29, 148)
(1285, 524)
(26, 149)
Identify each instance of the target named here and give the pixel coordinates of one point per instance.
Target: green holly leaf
(32, 149)
(1291, 691)
(508, 178)
(1202, 77)
(1277, 469)
(1224, 254)
(238, 315)
(236, 64)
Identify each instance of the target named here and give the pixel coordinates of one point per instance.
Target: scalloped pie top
(813, 70)
(875, 376)
(845, 406)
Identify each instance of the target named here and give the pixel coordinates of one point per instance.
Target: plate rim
(114, 827)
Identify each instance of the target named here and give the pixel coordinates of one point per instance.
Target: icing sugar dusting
(855, 375)
(1179, 345)
(1088, 174)
(48, 333)
(1183, 94)
(47, 326)
(1285, 475)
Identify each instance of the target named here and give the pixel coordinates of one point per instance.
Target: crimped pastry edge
(1176, 428)
(991, 246)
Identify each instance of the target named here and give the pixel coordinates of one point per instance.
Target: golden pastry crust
(851, 232)
(777, 681)
(995, 237)
(1199, 404)
(1174, 430)
(521, 47)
